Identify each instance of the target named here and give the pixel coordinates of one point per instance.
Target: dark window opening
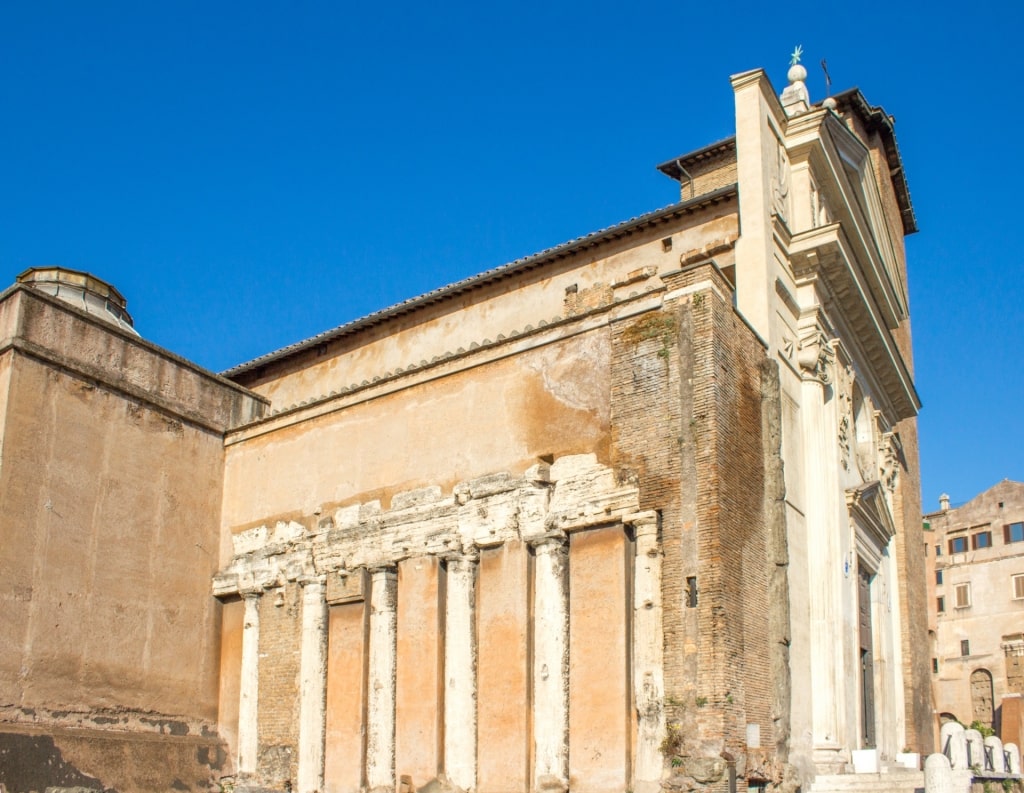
(983, 539)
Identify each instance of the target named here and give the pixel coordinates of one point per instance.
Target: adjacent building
(977, 571)
(638, 512)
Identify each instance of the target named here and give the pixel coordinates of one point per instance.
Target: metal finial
(794, 59)
(828, 77)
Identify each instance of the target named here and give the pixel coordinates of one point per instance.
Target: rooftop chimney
(944, 502)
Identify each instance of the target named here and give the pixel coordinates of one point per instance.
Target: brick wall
(280, 641)
(687, 412)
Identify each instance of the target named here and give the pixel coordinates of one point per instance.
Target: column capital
(815, 355)
(645, 524)
(306, 580)
(552, 542)
(461, 559)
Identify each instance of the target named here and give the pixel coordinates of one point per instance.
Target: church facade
(638, 512)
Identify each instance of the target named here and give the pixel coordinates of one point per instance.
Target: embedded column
(460, 673)
(551, 664)
(380, 728)
(648, 676)
(313, 686)
(827, 626)
(248, 698)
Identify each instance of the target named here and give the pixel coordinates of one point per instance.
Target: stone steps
(896, 781)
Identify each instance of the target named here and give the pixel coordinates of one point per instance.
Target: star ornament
(794, 59)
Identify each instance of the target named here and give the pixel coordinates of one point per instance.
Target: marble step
(897, 781)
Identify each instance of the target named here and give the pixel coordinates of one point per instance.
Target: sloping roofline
(674, 168)
(877, 120)
(874, 118)
(562, 251)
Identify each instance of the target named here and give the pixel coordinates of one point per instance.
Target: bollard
(1012, 758)
(953, 745)
(938, 776)
(975, 750)
(994, 760)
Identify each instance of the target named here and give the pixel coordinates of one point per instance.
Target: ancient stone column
(460, 673)
(380, 717)
(248, 698)
(821, 488)
(648, 677)
(551, 664)
(312, 686)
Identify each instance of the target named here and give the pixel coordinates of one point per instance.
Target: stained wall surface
(109, 534)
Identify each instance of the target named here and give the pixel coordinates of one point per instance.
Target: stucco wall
(111, 497)
(498, 417)
(109, 535)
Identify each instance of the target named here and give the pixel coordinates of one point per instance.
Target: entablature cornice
(825, 253)
(824, 144)
(546, 503)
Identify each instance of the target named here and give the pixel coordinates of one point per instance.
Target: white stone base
(865, 761)
(911, 760)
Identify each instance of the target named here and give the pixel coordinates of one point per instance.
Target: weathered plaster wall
(346, 698)
(503, 416)
(107, 760)
(601, 722)
(111, 486)
(502, 309)
(109, 533)
(419, 740)
(503, 668)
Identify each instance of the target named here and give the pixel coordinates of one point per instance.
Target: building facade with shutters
(976, 566)
(638, 512)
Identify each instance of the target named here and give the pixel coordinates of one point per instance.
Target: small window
(1013, 532)
(958, 545)
(983, 539)
(940, 604)
(938, 550)
(963, 596)
(1018, 587)
(965, 647)
(938, 576)
(935, 666)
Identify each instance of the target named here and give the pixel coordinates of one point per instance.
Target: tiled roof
(524, 264)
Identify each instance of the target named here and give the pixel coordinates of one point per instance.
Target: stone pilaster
(460, 673)
(827, 642)
(648, 649)
(380, 728)
(248, 698)
(313, 686)
(551, 664)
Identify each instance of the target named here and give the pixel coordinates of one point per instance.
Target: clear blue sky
(249, 174)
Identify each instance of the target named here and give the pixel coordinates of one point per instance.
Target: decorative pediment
(872, 520)
(827, 253)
